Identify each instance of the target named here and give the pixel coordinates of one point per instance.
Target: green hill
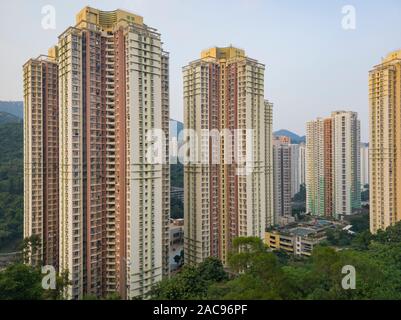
(15, 108)
(6, 117)
(11, 185)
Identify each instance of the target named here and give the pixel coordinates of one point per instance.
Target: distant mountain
(15, 108)
(296, 139)
(6, 117)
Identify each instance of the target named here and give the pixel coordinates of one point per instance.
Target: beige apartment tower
(41, 205)
(385, 142)
(224, 92)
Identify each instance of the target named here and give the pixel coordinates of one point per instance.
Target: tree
(191, 283)
(11, 186)
(62, 283)
(31, 249)
(301, 195)
(391, 235)
(244, 250)
(258, 273)
(21, 282)
(362, 240)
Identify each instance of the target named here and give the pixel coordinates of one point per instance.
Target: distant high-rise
(346, 162)
(333, 165)
(364, 165)
(385, 142)
(302, 163)
(113, 202)
(41, 199)
(295, 169)
(282, 175)
(315, 175)
(224, 91)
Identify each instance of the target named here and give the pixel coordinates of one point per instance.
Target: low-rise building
(299, 238)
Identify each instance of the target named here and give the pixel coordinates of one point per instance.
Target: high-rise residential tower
(113, 199)
(315, 182)
(385, 142)
(41, 205)
(364, 165)
(346, 162)
(224, 92)
(282, 174)
(295, 172)
(302, 163)
(333, 165)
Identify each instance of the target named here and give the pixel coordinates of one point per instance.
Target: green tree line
(11, 185)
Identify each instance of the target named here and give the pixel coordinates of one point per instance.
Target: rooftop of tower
(395, 55)
(106, 19)
(224, 53)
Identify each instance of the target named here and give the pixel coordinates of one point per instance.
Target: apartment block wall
(333, 165)
(282, 177)
(224, 91)
(113, 204)
(41, 157)
(385, 144)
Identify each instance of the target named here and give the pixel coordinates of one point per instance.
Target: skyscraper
(41, 156)
(346, 162)
(315, 175)
(364, 165)
(385, 142)
(282, 174)
(113, 201)
(295, 170)
(223, 92)
(302, 163)
(333, 165)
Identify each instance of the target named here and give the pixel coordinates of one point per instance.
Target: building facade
(333, 165)
(41, 198)
(295, 169)
(282, 176)
(315, 174)
(346, 163)
(385, 143)
(364, 165)
(224, 199)
(113, 78)
(302, 163)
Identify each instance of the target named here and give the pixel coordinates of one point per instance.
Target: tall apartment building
(364, 165)
(315, 173)
(282, 174)
(333, 165)
(41, 156)
(302, 163)
(224, 90)
(346, 162)
(113, 201)
(385, 142)
(295, 172)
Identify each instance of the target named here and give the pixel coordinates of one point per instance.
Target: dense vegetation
(11, 185)
(256, 273)
(177, 180)
(365, 194)
(177, 175)
(176, 208)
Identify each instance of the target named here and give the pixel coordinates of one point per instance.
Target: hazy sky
(313, 65)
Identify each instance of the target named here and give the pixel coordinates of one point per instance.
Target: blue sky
(313, 65)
